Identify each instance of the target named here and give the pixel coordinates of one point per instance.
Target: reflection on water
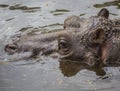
(21, 7)
(24, 8)
(71, 68)
(49, 74)
(9, 19)
(59, 12)
(3, 5)
(62, 75)
(111, 3)
(42, 29)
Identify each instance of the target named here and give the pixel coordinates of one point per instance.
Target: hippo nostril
(11, 48)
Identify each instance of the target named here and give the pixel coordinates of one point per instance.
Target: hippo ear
(104, 13)
(98, 36)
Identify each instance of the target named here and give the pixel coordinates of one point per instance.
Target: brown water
(48, 74)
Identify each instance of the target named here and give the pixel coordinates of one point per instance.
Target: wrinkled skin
(96, 40)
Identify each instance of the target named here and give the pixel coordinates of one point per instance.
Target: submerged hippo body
(97, 39)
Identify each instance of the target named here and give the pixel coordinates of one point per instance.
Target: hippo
(93, 40)
(73, 22)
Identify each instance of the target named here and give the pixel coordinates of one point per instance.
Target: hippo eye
(63, 45)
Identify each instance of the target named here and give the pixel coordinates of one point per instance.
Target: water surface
(51, 74)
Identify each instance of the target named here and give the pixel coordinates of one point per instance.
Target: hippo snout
(11, 48)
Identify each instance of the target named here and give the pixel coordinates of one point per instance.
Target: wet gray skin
(96, 41)
(73, 22)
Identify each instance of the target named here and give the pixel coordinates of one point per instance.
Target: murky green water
(50, 74)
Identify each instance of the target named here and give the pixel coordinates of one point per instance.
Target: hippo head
(68, 45)
(85, 44)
